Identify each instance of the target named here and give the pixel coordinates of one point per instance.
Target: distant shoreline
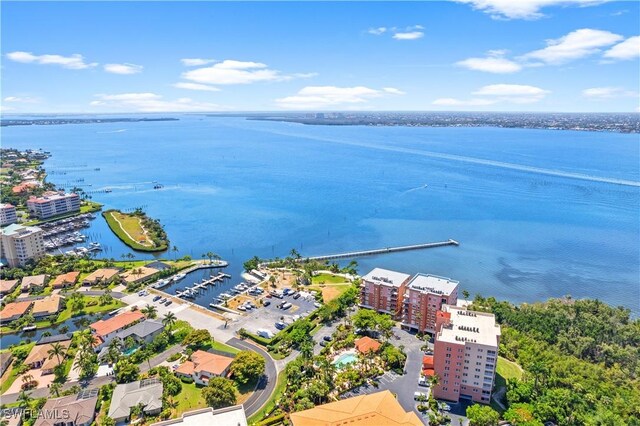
(57, 121)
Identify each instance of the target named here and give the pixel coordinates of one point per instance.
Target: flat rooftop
(433, 284)
(386, 277)
(19, 230)
(469, 326)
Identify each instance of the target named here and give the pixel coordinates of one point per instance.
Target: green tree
(247, 366)
(126, 371)
(169, 320)
(150, 311)
(482, 415)
(56, 350)
(219, 393)
(197, 338)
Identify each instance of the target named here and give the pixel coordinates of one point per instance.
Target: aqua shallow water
(344, 359)
(536, 211)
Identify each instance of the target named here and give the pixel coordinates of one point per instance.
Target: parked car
(286, 305)
(266, 303)
(156, 298)
(423, 382)
(323, 343)
(328, 338)
(420, 396)
(241, 308)
(444, 406)
(163, 300)
(317, 304)
(296, 296)
(168, 302)
(265, 333)
(280, 325)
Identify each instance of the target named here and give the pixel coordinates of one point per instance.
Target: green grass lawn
(330, 291)
(224, 348)
(505, 370)
(188, 399)
(13, 374)
(69, 313)
(328, 279)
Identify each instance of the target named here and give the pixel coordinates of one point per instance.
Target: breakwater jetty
(385, 250)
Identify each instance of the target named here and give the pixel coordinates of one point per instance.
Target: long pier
(204, 284)
(385, 250)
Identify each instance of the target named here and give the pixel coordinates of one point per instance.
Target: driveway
(266, 385)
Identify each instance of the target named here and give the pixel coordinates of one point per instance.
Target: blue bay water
(529, 228)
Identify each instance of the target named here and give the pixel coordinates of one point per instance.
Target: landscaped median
(137, 230)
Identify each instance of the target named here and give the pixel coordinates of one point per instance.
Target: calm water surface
(529, 228)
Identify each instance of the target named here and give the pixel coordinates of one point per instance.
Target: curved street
(266, 385)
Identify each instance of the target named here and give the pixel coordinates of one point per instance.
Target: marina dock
(188, 291)
(385, 250)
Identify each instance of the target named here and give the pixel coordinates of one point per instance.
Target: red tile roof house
(367, 344)
(8, 286)
(65, 280)
(13, 311)
(34, 283)
(104, 330)
(203, 366)
(72, 410)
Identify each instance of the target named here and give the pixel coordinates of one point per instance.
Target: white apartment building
(7, 214)
(20, 244)
(52, 204)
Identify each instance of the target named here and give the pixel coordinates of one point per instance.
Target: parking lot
(266, 317)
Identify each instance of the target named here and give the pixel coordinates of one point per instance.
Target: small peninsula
(137, 230)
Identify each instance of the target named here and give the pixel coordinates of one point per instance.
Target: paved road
(267, 385)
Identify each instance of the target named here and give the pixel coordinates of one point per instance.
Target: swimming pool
(344, 359)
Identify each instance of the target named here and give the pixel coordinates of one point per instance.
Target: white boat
(178, 277)
(224, 296)
(29, 328)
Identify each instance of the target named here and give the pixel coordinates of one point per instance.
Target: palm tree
(56, 350)
(169, 320)
(210, 255)
(24, 399)
(55, 387)
(175, 252)
(27, 378)
(150, 311)
(435, 381)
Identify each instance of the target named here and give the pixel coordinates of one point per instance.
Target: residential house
(137, 275)
(104, 330)
(375, 409)
(142, 332)
(5, 361)
(367, 344)
(204, 365)
(227, 416)
(46, 307)
(34, 283)
(13, 311)
(39, 357)
(101, 275)
(8, 286)
(65, 280)
(72, 410)
(160, 266)
(147, 393)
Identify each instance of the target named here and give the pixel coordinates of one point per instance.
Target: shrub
(187, 380)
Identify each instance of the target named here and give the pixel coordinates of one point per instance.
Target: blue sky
(477, 55)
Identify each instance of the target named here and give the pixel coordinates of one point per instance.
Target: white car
(444, 406)
(317, 304)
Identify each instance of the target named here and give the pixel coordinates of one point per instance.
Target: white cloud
(394, 91)
(237, 72)
(150, 102)
(124, 69)
(196, 62)
(412, 35)
(628, 49)
(459, 102)
(195, 86)
(522, 9)
(608, 93)
(4, 108)
(575, 45)
(377, 31)
(498, 93)
(494, 63)
(75, 61)
(312, 97)
(21, 99)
